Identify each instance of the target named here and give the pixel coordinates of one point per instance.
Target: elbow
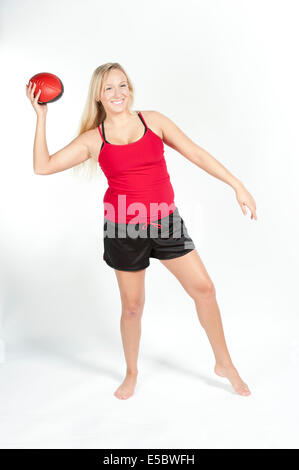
(41, 169)
(38, 171)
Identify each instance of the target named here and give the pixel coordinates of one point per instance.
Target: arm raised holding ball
(72, 154)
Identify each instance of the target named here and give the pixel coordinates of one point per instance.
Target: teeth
(117, 102)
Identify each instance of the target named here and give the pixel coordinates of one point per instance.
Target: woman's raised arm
(77, 151)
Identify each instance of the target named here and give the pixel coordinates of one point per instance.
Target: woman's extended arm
(175, 138)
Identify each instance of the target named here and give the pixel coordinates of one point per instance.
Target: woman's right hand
(40, 109)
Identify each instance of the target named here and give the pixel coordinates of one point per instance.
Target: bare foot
(126, 389)
(231, 373)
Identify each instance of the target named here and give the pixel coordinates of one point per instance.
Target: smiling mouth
(117, 102)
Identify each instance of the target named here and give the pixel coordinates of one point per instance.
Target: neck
(119, 119)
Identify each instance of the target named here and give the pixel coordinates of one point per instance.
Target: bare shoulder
(93, 141)
(84, 141)
(87, 137)
(172, 135)
(161, 122)
(153, 121)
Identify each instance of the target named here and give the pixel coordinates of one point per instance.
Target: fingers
(242, 205)
(28, 89)
(244, 198)
(37, 95)
(30, 92)
(252, 210)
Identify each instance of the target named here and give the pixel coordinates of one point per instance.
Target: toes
(243, 391)
(121, 395)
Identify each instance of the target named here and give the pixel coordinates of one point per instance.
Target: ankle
(131, 372)
(226, 364)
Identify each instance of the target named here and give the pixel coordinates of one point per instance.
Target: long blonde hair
(94, 114)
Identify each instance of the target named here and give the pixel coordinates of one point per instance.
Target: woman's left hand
(244, 198)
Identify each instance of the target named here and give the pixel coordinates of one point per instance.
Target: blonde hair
(94, 114)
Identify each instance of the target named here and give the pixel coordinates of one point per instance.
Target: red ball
(51, 87)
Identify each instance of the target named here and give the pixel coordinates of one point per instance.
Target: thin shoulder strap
(99, 127)
(142, 119)
(102, 132)
(103, 143)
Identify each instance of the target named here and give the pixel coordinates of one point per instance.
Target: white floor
(53, 397)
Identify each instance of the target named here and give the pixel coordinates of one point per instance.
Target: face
(115, 92)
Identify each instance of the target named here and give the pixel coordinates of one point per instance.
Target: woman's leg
(192, 274)
(132, 293)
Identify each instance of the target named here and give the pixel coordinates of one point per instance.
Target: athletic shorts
(129, 247)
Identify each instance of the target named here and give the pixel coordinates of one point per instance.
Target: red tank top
(139, 184)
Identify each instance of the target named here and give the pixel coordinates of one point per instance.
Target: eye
(109, 88)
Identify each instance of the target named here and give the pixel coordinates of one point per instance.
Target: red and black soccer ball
(51, 87)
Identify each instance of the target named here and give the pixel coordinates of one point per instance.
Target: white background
(226, 72)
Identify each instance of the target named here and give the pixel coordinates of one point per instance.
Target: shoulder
(155, 120)
(159, 121)
(152, 115)
(89, 137)
(92, 140)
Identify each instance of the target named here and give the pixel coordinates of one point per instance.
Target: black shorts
(128, 247)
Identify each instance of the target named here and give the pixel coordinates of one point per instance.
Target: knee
(132, 308)
(204, 288)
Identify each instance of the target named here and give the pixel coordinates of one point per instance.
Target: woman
(128, 146)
